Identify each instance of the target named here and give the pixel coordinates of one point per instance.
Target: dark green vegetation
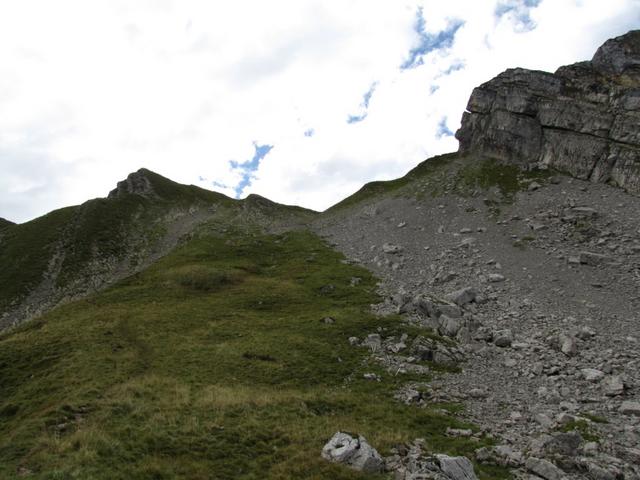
(452, 173)
(5, 223)
(211, 364)
(424, 169)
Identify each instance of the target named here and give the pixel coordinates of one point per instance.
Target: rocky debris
(581, 119)
(354, 452)
(503, 455)
(544, 469)
(592, 374)
(630, 408)
(463, 296)
(411, 462)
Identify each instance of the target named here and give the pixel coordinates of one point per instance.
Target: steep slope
(582, 119)
(77, 250)
(216, 362)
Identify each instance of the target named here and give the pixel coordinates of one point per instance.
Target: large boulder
(354, 452)
(583, 119)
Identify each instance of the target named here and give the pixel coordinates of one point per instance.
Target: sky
(300, 101)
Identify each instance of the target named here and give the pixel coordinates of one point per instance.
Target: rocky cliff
(582, 119)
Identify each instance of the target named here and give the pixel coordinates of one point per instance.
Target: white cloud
(90, 91)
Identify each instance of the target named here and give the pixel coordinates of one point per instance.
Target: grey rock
(564, 444)
(630, 408)
(463, 296)
(391, 248)
(137, 183)
(373, 341)
(593, 259)
(495, 278)
(503, 338)
(568, 345)
(592, 374)
(353, 452)
(456, 468)
(544, 468)
(449, 327)
(613, 386)
(582, 119)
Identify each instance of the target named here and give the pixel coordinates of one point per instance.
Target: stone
(449, 327)
(592, 374)
(391, 248)
(456, 468)
(373, 341)
(463, 296)
(495, 278)
(353, 452)
(613, 386)
(564, 443)
(568, 345)
(543, 420)
(503, 338)
(581, 119)
(543, 468)
(593, 259)
(630, 408)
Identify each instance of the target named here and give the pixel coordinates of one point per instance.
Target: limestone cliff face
(583, 119)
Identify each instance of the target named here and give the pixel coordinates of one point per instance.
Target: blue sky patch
(520, 10)
(249, 167)
(429, 42)
(364, 105)
(443, 130)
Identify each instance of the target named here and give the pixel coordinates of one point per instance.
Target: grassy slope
(213, 363)
(449, 173)
(5, 223)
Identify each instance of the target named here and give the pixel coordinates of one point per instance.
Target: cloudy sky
(301, 101)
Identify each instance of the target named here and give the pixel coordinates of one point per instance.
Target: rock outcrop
(136, 183)
(582, 119)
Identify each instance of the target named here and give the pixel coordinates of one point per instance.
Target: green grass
(212, 364)
(371, 190)
(583, 427)
(489, 173)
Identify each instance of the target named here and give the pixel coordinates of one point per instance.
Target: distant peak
(137, 183)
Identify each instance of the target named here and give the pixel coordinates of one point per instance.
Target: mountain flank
(74, 251)
(474, 319)
(5, 223)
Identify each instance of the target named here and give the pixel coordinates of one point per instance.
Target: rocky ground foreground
(542, 296)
